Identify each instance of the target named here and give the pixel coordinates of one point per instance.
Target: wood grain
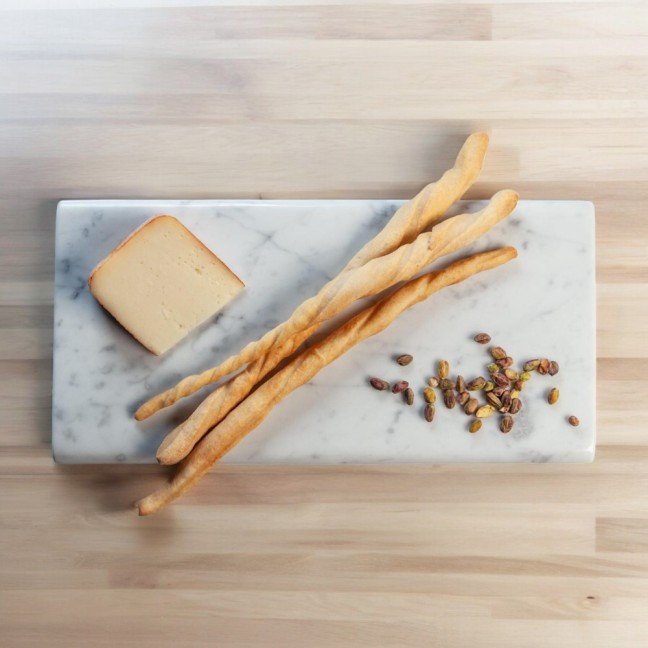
(322, 98)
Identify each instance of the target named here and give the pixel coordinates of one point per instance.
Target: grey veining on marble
(541, 304)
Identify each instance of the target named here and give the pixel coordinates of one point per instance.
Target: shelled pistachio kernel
(524, 376)
(493, 400)
(489, 386)
(399, 386)
(553, 368)
(429, 413)
(482, 338)
(511, 374)
(471, 406)
(460, 384)
(476, 384)
(484, 411)
(449, 398)
(405, 359)
(474, 426)
(500, 380)
(429, 395)
(492, 368)
(515, 394)
(433, 381)
(530, 365)
(444, 368)
(498, 353)
(446, 383)
(408, 396)
(553, 396)
(463, 397)
(573, 420)
(506, 424)
(378, 383)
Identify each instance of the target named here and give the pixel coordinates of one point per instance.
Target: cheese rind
(161, 282)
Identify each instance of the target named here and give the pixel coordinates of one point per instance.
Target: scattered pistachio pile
(501, 390)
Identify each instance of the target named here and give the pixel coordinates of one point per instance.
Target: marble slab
(542, 304)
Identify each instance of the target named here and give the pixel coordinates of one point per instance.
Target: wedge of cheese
(162, 282)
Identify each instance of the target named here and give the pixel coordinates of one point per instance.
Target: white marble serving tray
(542, 304)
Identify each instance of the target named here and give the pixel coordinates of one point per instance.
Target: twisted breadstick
(371, 278)
(429, 205)
(301, 369)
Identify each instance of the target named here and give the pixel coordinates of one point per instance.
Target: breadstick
(371, 278)
(429, 205)
(300, 370)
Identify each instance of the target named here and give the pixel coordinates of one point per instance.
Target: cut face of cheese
(162, 282)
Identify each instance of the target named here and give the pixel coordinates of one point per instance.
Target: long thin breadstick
(371, 278)
(300, 370)
(429, 205)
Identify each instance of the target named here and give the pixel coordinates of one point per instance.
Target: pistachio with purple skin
(506, 424)
(498, 353)
(378, 383)
(449, 399)
(400, 386)
(504, 363)
(445, 384)
(482, 338)
(500, 379)
(493, 400)
(471, 406)
(476, 384)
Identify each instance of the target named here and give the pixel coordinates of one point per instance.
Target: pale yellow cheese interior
(162, 282)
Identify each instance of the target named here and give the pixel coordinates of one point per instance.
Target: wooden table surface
(323, 99)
